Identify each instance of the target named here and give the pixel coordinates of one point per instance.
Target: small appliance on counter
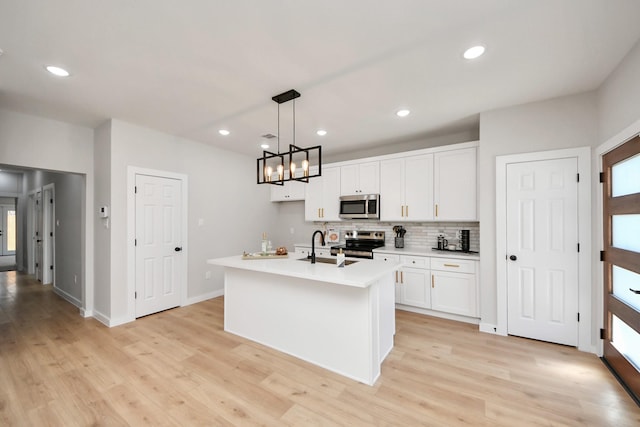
(400, 232)
(462, 246)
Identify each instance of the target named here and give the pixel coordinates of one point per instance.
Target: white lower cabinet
(453, 287)
(321, 251)
(441, 284)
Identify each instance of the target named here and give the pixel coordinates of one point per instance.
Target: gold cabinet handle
(433, 281)
(452, 265)
(402, 210)
(407, 210)
(396, 276)
(436, 210)
(401, 277)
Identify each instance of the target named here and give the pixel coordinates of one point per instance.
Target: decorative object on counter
(400, 232)
(340, 261)
(265, 243)
(271, 167)
(464, 240)
(265, 255)
(281, 250)
(332, 236)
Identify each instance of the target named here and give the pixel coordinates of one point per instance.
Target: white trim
(488, 328)
(613, 142)
(101, 318)
(204, 297)
(68, 297)
(585, 286)
(132, 171)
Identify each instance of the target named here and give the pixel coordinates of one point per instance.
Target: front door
(542, 246)
(8, 230)
(621, 214)
(158, 252)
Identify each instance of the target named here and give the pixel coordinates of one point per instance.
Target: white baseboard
(109, 322)
(489, 328)
(86, 313)
(68, 297)
(204, 297)
(101, 318)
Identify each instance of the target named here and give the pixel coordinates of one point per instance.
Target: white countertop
(423, 251)
(360, 274)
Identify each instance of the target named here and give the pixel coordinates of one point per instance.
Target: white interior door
(8, 230)
(38, 237)
(542, 246)
(158, 254)
(48, 209)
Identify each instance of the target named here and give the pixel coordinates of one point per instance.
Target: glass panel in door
(621, 216)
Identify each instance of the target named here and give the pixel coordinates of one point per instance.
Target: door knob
(513, 257)
(178, 249)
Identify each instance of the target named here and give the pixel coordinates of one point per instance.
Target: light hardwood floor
(179, 368)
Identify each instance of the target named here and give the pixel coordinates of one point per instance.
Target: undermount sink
(328, 260)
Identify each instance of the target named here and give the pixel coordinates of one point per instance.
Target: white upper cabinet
(455, 185)
(361, 178)
(290, 191)
(406, 189)
(322, 196)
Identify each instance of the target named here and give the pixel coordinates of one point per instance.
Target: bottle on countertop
(340, 261)
(265, 243)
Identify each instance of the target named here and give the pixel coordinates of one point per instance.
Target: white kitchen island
(342, 319)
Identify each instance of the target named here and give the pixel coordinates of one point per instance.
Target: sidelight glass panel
(625, 177)
(626, 341)
(11, 230)
(623, 281)
(625, 230)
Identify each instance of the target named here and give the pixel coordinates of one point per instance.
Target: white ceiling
(191, 67)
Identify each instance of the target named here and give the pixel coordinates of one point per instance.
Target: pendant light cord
(278, 128)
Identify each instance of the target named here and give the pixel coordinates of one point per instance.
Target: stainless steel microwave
(362, 206)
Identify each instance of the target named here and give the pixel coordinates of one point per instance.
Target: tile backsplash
(420, 234)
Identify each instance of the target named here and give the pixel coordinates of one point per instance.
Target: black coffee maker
(464, 240)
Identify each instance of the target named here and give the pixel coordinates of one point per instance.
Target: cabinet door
(455, 185)
(278, 193)
(454, 293)
(392, 190)
(313, 199)
(369, 177)
(349, 180)
(415, 287)
(290, 191)
(418, 178)
(330, 194)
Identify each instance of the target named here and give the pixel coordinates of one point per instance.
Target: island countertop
(360, 274)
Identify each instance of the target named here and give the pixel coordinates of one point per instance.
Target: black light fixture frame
(268, 157)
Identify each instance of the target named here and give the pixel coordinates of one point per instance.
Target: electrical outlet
(75, 278)
(207, 275)
(292, 230)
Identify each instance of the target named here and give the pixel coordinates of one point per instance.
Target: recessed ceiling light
(264, 146)
(224, 132)
(321, 132)
(57, 71)
(473, 52)
(403, 113)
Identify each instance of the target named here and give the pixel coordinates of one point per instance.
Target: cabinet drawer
(454, 265)
(387, 257)
(415, 261)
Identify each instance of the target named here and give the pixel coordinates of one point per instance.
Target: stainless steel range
(360, 243)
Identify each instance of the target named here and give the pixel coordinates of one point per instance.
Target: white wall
(222, 192)
(548, 125)
(102, 237)
(34, 142)
(619, 97)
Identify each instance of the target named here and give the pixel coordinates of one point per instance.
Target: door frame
(48, 234)
(132, 171)
(585, 288)
(615, 141)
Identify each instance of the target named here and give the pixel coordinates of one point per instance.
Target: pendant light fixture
(301, 163)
